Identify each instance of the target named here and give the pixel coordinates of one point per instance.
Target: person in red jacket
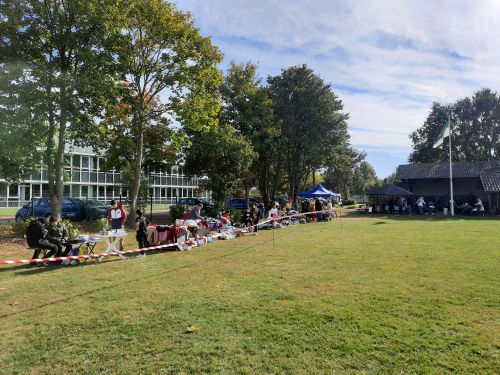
(117, 215)
(116, 218)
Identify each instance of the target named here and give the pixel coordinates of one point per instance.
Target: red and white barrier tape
(191, 242)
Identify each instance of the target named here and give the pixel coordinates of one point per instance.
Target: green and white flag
(445, 132)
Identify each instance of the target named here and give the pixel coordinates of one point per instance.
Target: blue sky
(387, 60)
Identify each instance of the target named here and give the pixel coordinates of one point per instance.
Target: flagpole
(452, 202)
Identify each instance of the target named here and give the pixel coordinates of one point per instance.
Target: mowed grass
(375, 296)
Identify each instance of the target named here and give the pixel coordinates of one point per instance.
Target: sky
(387, 60)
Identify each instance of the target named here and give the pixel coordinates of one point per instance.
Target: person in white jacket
(273, 212)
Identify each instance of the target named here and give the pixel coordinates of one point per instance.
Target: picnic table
(86, 243)
(111, 238)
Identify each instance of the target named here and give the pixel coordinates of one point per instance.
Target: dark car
(71, 208)
(241, 204)
(194, 202)
(95, 210)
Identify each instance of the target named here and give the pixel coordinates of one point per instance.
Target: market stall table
(111, 238)
(86, 243)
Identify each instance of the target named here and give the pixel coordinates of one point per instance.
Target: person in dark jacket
(57, 233)
(247, 218)
(141, 232)
(194, 214)
(318, 207)
(36, 237)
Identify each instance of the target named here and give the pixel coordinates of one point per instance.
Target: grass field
(375, 296)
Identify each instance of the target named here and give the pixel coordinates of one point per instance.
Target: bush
(348, 202)
(176, 211)
(19, 228)
(73, 231)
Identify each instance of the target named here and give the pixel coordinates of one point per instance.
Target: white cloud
(389, 59)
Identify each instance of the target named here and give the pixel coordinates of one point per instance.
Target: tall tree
(475, 125)
(364, 178)
(340, 167)
(222, 156)
(171, 72)
(248, 107)
(53, 57)
(312, 122)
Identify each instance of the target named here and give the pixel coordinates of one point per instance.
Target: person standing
(256, 218)
(141, 232)
(421, 205)
(247, 218)
(318, 207)
(116, 218)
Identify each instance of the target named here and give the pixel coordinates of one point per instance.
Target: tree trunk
(134, 202)
(247, 194)
(56, 200)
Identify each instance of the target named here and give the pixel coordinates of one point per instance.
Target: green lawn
(377, 296)
(9, 211)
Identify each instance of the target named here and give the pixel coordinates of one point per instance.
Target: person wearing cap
(57, 234)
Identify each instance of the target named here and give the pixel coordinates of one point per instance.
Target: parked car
(75, 209)
(95, 210)
(194, 202)
(241, 204)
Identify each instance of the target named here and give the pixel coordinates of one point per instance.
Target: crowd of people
(53, 236)
(409, 205)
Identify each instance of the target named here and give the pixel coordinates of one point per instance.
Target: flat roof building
(86, 179)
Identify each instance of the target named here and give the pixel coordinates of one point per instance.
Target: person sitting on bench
(57, 234)
(36, 237)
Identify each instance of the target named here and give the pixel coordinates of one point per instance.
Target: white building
(85, 179)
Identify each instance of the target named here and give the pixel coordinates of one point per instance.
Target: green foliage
(172, 74)
(349, 202)
(73, 230)
(176, 211)
(364, 178)
(101, 224)
(312, 122)
(54, 73)
(222, 155)
(341, 166)
(19, 227)
(249, 109)
(475, 126)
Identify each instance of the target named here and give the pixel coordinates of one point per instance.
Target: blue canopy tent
(319, 192)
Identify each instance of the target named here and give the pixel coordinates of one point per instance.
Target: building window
(101, 192)
(109, 178)
(35, 190)
(13, 190)
(85, 177)
(45, 175)
(85, 162)
(76, 176)
(75, 191)
(67, 191)
(76, 161)
(36, 176)
(93, 176)
(84, 191)
(101, 178)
